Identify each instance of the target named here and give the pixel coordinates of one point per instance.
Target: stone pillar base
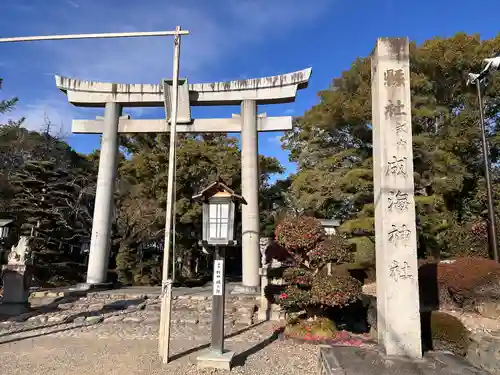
(91, 287)
(242, 289)
(14, 309)
(216, 360)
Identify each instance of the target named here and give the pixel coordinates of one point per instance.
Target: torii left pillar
(250, 178)
(103, 210)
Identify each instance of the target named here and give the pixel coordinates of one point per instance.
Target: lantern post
(219, 208)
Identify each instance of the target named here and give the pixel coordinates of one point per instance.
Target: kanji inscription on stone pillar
(395, 229)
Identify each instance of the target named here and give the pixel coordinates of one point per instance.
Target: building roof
(5, 222)
(330, 222)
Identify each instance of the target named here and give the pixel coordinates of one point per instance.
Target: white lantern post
(219, 207)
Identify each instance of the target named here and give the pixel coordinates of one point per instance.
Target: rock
(96, 306)
(152, 320)
(132, 319)
(22, 317)
(484, 352)
(246, 310)
(489, 309)
(65, 306)
(246, 320)
(57, 318)
(79, 320)
(38, 294)
(113, 319)
(141, 306)
(199, 298)
(94, 319)
(183, 297)
(187, 320)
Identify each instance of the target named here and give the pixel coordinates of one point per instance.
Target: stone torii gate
(114, 97)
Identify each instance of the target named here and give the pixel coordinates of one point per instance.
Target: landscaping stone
(484, 352)
(113, 318)
(132, 319)
(79, 320)
(488, 309)
(93, 319)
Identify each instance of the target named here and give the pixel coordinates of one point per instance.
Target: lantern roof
(218, 188)
(5, 222)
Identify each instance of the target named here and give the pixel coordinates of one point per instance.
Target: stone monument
(247, 93)
(398, 307)
(16, 275)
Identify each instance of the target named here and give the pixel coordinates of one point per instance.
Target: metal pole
(174, 256)
(166, 306)
(492, 233)
(92, 36)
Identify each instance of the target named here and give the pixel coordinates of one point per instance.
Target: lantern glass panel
(218, 219)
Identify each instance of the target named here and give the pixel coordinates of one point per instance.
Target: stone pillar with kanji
(398, 307)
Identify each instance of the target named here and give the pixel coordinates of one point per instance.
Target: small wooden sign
(218, 277)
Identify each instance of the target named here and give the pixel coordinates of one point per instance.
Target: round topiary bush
(334, 249)
(299, 234)
(293, 298)
(298, 276)
(335, 291)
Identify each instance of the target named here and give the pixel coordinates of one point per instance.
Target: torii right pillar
(398, 305)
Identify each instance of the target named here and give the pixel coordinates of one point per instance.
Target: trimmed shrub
(298, 276)
(364, 251)
(309, 287)
(335, 250)
(319, 329)
(294, 298)
(448, 333)
(299, 234)
(461, 283)
(335, 291)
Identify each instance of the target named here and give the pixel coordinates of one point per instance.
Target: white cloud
(289, 111)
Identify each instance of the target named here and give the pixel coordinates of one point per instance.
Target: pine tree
(332, 146)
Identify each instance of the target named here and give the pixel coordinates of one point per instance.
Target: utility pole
(492, 65)
(166, 303)
(492, 227)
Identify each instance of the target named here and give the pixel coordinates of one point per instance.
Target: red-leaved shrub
(462, 282)
(299, 234)
(308, 285)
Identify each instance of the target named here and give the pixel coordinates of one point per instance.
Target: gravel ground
(87, 351)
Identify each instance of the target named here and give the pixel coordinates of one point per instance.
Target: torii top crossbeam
(266, 90)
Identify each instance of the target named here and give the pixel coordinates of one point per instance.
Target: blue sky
(230, 39)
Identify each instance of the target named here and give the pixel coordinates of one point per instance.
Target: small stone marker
(398, 306)
(16, 279)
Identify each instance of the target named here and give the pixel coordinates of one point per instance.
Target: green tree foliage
(142, 198)
(332, 145)
(48, 189)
